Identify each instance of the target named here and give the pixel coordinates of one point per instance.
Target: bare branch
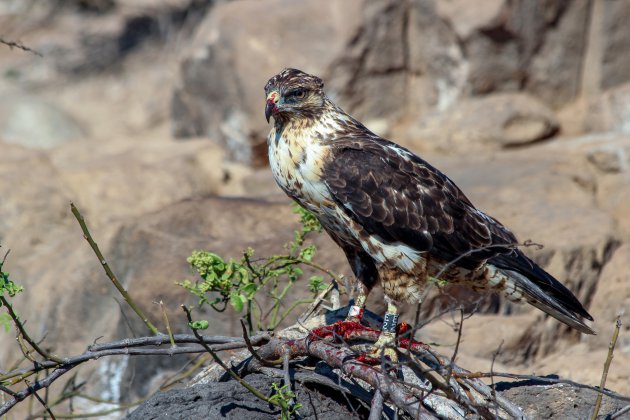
(250, 347)
(611, 349)
(88, 237)
(544, 379)
(167, 323)
(220, 362)
(129, 347)
(20, 396)
(20, 46)
(339, 358)
(376, 407)
(43, 403)
(24, 334)
(621, 412)
(494, 358)
(460, 328)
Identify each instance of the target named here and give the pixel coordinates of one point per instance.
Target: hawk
(399, 220)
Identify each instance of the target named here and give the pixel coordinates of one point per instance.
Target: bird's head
(292, 93)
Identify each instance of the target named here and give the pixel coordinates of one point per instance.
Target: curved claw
(376, 355)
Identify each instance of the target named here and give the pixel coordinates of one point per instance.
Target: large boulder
(76, 302)
(379, 59)
(48, 255)
(518, 45)
(32, 122)
(239, 46)
(95, 36)
(611, 299)
(389, 63)
(231, 400)
(491, 122)
(130, 177)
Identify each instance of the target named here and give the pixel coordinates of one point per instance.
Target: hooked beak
(272, 104)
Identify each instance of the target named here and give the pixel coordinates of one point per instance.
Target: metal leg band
(390, 321)
(355, 311)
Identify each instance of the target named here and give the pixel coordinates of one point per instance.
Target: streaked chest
(297, 157)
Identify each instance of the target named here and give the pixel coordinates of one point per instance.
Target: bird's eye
(299, 93)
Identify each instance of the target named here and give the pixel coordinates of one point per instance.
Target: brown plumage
(398, 219)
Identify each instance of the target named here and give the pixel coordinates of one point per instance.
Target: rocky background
(148, 114)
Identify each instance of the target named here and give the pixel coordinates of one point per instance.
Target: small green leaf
(250, 289)
(237, 303)
(316, 283)
(199, 325)
(5, 322)
(7, 286)
(308, 253)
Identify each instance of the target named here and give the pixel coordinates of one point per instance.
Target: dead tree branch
(88, 237)
(19, 46)
(609, 357)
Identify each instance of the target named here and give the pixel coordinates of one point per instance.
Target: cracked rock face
(404, 62)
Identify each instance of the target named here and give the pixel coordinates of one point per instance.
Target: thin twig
(287, 376)
(20, 396)
(168, 325)
(4, 259)
(158, 340)
(43, 403)
(619, 413)
(449, 370)
(7, 390)
(474, 375)
(20, 46)
(611, 350)
(88, 237)
(250, 347)
(494, 358)
(20, 374)
(527, 243)
(318, 300)
(220, 362)
(23, 333)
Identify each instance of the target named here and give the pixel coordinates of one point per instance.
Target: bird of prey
(399, 220)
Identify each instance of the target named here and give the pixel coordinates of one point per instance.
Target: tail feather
(542, 290)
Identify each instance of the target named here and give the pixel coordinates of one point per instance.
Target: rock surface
(546, 401)
(32, 122)
(418, 58)
(237, 49)
(489, 123)
(136, 72)
(230, 400)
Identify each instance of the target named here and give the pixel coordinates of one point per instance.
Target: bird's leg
(355, 313)
(349, 326)
(386, 343)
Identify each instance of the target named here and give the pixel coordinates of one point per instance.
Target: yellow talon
(385, 346)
